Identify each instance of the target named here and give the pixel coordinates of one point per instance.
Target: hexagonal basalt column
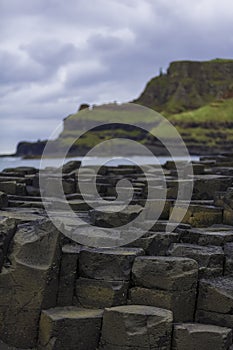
(167, 282)
(192, 336)
(136, 327)
(69, 328)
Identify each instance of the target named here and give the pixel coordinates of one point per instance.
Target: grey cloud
(21, 7)
(45, 73)
(105, 43)
(41, 62)
(51, 52)
(15, 69)
(79, 12)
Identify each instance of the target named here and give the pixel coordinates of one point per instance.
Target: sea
(13, 162)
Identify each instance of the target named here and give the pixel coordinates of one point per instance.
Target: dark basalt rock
(111, 264)
(52, 289)
(199, 336)
(30, 283)
(70, 328)
(136, 327)
(7, 231)
(3, 200)
(210, 258)
(216, 295)
(92, 293)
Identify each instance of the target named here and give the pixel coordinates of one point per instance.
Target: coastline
(78, 261)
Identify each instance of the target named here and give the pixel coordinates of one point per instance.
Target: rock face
(186, 85)
(204, 237)
(210, 259)
(216, 295)
(228, 250)
(112, 264)
(91, 293)
(172, 288)
(30, 148)
(156, 243)
(68, 274)
(9, 187)
(114, 217)
(70, 328)
(215, 302)
(71, 166)
(3, 200)
(166, 282)
(194, 336)
(205, 186)
(29, 284)
(165, 273)
(7, 232)
(104, 276)
(136, 327)
(199, 215)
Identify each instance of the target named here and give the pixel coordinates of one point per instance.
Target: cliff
(28, 149)
(197, 97)
(188, 85)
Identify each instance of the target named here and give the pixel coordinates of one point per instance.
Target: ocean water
(12, 162)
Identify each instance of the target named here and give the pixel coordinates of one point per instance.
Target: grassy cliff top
(188, 85)
(219, 111)
(196, 96)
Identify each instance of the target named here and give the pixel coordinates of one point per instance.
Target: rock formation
(186, 86)
(170, 289)
(189, 85)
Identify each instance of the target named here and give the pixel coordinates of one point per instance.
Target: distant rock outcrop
(30, 148)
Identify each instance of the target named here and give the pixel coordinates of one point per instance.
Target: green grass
(216, 112)
(112, 113)
(221, 60)
(209, 125)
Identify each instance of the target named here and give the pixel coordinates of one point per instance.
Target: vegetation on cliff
(188, 85)
(197, 97)
(208, 126)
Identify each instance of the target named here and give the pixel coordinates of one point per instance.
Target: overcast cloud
(57, 54)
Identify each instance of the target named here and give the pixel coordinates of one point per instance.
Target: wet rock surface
(169, 285)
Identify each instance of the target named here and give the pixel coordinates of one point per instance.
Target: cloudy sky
(56, 54)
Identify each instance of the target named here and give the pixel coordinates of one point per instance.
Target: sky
(57, 54)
